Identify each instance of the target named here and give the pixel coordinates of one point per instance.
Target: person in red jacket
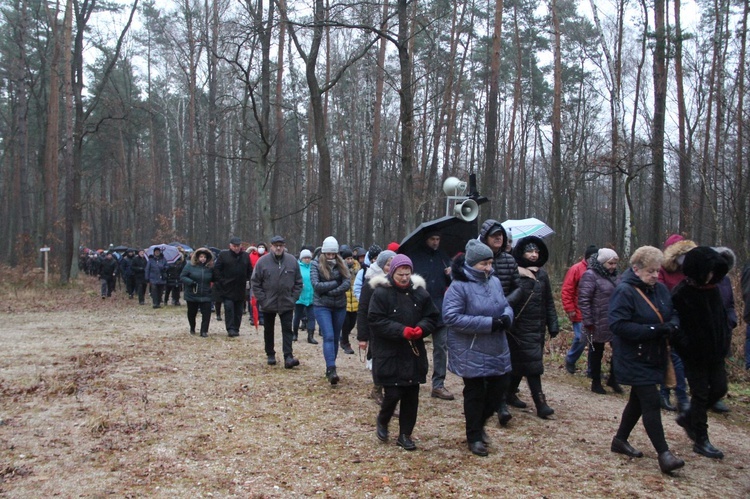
(570, 305)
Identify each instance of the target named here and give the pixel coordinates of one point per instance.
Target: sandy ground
(106, 398)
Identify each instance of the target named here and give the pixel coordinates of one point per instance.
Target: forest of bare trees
(133, 122)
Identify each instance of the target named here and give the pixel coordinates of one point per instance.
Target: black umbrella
(120, 248)
(454, 234)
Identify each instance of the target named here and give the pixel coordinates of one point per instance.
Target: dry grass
(107, 398)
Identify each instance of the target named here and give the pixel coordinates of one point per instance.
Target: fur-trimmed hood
(202, 251)
(521, 244)
(674, 254)
(417, 281)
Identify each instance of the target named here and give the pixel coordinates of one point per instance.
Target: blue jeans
(681, 388)
(439, 356)
(306, 311)
(330, 321)
(578, 346)
(747, 347)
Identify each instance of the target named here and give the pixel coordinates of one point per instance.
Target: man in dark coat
(107, 273)
(277, 284)
(126, 270)
(702, 341)
(155, 276)
(231, 273)
(433, 264)
(138, 271)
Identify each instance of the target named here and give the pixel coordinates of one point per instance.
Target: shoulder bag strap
(651, 304)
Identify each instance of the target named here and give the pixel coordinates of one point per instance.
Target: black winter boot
(503, 414)
(704, 447)
(542, 409)
(668, 462)
(332, 376)
(311, 338)
(612, 382)
(596, 387)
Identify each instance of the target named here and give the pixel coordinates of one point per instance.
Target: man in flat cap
(277, 284)
(231, 272)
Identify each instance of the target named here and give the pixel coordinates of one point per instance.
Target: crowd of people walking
(666, 320)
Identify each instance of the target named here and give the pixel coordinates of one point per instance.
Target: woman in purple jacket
(594, 291)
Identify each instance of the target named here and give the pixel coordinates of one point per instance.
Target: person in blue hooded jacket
(478, 316)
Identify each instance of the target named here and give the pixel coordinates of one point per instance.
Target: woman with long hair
(330, 279)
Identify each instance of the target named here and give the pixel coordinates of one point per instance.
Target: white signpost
(46, 250)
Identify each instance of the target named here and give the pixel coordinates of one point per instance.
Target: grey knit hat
(330, 245)
(383, 258)
(477, 252)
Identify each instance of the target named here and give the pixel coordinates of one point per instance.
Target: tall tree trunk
(510, 151)
(406, 114)
(52, 135)
(209, 198)
(682, 153)
(490, 159)
(614, 72)
(660, 106)
(556, 178)
(741, 170)
(376, 157)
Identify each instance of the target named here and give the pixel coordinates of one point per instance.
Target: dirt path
(108, 398)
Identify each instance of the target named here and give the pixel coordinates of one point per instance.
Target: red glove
(412, 333)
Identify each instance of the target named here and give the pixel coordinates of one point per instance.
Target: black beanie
(590, 251)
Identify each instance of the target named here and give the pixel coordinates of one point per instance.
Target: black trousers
(708, 384)
(192, 312)
(157, 291)
(482, 397)
(644, 401)
(174, 291)
(269, 322)
(407, 416)
(140, 288)
(349, 322)
(534, 381)
(130, 285)
(596, 354)
(233, 314)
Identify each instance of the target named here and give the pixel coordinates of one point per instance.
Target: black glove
(506, 321)
(553, 334)
(662, 330)
(497, 325)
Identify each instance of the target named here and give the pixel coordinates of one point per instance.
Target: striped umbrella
(517, 229)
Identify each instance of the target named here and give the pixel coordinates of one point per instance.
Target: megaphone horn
(467, 210)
